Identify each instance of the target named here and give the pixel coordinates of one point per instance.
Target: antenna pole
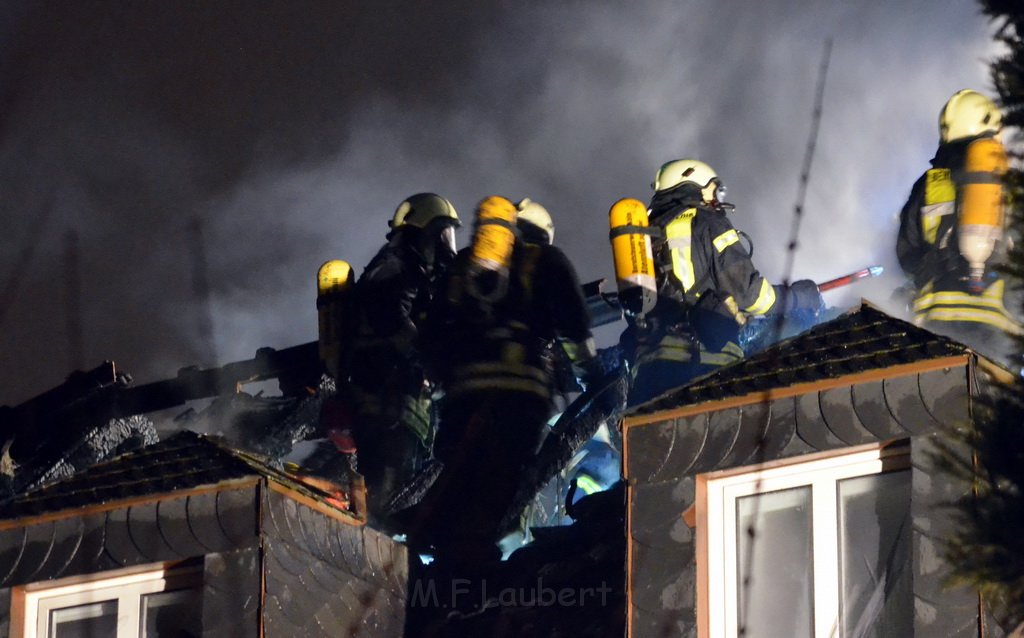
(805, 172)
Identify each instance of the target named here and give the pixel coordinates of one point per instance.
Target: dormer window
(150, 602)
(814, 547)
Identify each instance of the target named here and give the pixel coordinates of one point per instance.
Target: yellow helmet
(423, 208)
(533, 213)
(968, 114)
(683, 171)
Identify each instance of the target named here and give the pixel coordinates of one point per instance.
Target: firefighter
(952, 231)
(389, 386)
(706, 285)
(507, 297)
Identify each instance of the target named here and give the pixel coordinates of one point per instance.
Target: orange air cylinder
(334, 282)
(634, 260)
(491, 253)
(980, 220)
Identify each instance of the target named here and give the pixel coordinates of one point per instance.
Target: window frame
(716, 494)
(32, 604)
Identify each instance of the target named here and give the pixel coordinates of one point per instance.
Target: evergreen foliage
(987, 551)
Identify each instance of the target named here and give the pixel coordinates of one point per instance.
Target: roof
(183, 462)
(862, 340)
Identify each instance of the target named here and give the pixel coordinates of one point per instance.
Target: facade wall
(231, 594)
(5, 608)
(939, 611)
(169, 530)
(328, 578)
(267, 561)
(663, 459)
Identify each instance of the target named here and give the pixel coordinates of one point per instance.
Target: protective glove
(804, 295)
(588, 370)
(586, 366)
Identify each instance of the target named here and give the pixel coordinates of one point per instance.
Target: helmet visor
(447, 238)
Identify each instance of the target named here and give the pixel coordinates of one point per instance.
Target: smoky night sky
(290, 131)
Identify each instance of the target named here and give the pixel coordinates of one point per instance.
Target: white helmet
(968, 114)
(533, 213)
(423, 208)
(682, 171)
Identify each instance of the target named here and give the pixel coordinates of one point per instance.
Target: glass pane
(874, 556)
(172, 614)
(775, 564)
(95, 620)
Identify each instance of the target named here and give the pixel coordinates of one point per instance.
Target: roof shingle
(862, 340)
(182, 462)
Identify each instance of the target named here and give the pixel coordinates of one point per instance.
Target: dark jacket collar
(951, 154)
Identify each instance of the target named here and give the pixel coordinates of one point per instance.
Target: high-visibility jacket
(706, 284)
(502, 345)
(928, 249)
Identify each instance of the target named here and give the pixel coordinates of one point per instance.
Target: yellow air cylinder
(493, 242)
(334, 282)
(980, 221)
(634, 259)
(495, 233)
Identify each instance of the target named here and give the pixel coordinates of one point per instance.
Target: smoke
(292, 132)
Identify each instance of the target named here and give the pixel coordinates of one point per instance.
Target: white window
(153, 603)
(815, 548)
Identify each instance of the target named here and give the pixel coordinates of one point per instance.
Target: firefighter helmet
(421, 209)
(689, 171)
(533, 213)
(968, 114)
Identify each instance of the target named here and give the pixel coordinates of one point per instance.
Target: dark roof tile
(184, 461)
(862, 340)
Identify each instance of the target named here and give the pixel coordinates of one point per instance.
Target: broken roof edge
(308, 494)
(996, 370)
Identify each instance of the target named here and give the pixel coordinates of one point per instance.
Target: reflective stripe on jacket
(498, 375)
(939, 202)
(679, 349)
(953, 305)
(706, 257)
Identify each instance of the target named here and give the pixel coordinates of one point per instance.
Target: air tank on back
(630, 236)
(334, 282)
(980, 220)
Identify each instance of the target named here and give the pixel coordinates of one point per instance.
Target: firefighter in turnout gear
(498, 383)
(390, 390)
(706, 285)
(952, 231)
